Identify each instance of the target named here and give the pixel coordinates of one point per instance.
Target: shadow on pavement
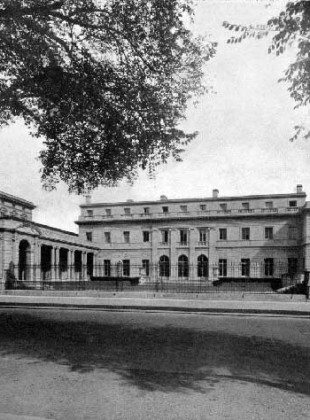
(168, 359)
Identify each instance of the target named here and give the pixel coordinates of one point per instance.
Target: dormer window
(246, 206)
(89, 213)
(292, 203)
(223, 206)
(108, 212)
(183, 209)
(165, 209)
(127, 211)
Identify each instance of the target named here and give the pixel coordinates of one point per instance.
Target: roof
(17, 200)
(194, 200)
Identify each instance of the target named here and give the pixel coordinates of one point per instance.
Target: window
(183, 266)
(90, 213)
(107, 268)
(146, 210)
(165, 236)
(165, 209)
(245, 267)
(223, 206)
(126, 237)
(268, 232)
(146, 267)
(222, 267)
(223, 234)
(107, 237)
(127, 211)
(203, 207)
(293, 203)
(202, 235)
(292, 264)
(245, 206)
(183, 209)
(245, 232)
(108, 212)
(202, 266)
(164, 266)
(292, 232)
(89, 236)
(183, 236)
(269, 204)
(268, 266)
(146, 236)
(126, 267)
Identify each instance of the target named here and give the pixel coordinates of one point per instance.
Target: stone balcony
(192, 214)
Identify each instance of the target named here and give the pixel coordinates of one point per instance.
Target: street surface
(96, 365)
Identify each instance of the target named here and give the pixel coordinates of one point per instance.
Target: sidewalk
(239, 304)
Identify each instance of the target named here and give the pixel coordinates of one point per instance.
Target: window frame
(269, 232)
(223, 234)
(245, 233)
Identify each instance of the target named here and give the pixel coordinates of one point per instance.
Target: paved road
(109, 365)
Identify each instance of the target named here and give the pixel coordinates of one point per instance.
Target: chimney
(215, 193)
(88, 199)
(299, 189)
(163, 198)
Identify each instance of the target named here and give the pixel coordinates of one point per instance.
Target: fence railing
(259, 277)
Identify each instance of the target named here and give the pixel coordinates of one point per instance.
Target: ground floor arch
(24, 260)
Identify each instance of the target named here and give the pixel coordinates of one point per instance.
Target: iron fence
(261, 277)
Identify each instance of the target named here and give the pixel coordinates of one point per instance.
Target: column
(84, 265)
(69, 277)
(57, 268)
(212, 255)
(53, 264)
(154, 254)
(173, 253)
(192, 257)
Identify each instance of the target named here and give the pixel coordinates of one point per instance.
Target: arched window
(164, 266)
(183, 266)
(202, 266)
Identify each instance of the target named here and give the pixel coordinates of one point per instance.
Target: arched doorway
(164, 266)
(202, 266)
(24, 260)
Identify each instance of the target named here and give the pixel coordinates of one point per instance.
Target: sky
(244, 128)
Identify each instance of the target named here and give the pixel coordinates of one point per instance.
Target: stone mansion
(252, 236)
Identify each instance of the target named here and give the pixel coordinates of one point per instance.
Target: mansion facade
(252, 236)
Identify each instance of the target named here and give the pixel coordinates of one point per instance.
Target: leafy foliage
(291, 27)
(105, 83)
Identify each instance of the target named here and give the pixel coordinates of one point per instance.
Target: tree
(291, 27)
(104, 83)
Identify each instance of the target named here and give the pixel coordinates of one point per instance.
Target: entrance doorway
(24, 260)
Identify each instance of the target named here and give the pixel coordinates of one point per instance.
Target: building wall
(284, 216)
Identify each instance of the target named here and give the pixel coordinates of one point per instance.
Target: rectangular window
(107, 237)
(223, 206)
(223, 234)
(292, 203)
(203, 207)
(89, 236)
(183, 209)
(165, 209)
(292, 232)
(269, 204)
(107, 268)
(146, 267)
(292, 266)
(127, 211)
(90, 213)
(146, 236)
(245, 206)
(245, 233)
(268, 232)
(126, 237)
(268, 266)
(183, 236)
(245, 267)
(222, 268)
(202, 235)
(108, 212)
(126, 267)
(165, 236)
(146, 210)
